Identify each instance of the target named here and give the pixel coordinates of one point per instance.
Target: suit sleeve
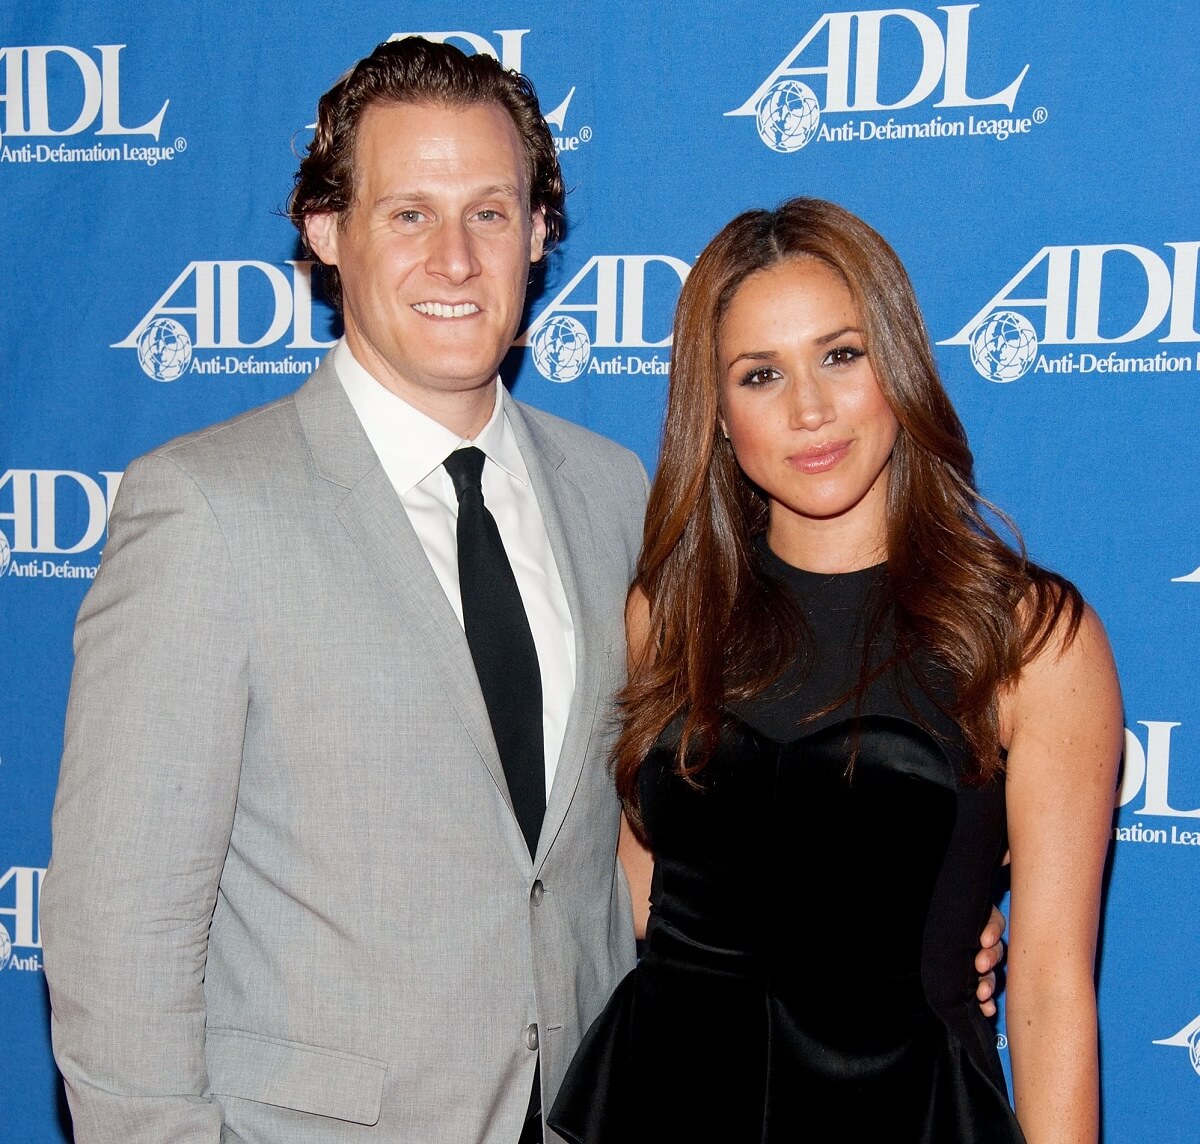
(143, 815)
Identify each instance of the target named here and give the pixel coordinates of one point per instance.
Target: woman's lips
(820, 458)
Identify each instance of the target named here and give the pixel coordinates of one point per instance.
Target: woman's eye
(843, 355)
(759, 376)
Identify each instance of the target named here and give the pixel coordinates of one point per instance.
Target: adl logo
(53, 513)
(615, 288)
(20, 901)
(1187, 1038)
(509, 54)
(57, 91)
(1093, 295)
(214, 296)
(787, 111)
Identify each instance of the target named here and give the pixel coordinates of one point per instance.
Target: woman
(847, 696)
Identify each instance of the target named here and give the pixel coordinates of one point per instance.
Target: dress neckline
(806, 577)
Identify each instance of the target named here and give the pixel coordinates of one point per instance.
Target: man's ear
(321, 230)
(537, 236)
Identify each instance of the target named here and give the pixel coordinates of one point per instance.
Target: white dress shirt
(411, 448)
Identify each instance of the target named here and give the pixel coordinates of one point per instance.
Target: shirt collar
(410, 444)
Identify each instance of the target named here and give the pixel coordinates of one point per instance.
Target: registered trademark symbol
(181, 142)
(1001, 1042)
(1040, 115)
(585, 133)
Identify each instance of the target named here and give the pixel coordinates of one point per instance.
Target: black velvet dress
(808, 973)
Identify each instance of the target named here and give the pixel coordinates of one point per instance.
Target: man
(300, 889)
(275, 720)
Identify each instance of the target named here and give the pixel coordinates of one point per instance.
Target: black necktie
(501, 645)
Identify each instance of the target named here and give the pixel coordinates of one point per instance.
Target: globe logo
(788, 115)
(561, 349)
(164, 350)
(1187, 1038)
(5, 947)
(5, 554)
(1003, 346)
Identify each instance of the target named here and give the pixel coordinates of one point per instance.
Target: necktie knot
(465, 467)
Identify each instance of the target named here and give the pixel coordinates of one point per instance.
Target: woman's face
(805, 415)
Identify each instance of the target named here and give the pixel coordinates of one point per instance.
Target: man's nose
(452, 252)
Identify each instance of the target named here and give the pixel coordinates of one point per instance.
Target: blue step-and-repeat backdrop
(1036, 166)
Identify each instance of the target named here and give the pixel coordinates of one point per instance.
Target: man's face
(434, 252)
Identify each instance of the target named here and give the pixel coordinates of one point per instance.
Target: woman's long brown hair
(720, 630)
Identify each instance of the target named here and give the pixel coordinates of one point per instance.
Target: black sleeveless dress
(760, 1011)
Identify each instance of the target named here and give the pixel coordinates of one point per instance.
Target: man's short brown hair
(415, 70)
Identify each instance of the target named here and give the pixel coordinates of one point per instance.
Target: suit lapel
(376, 522)
(565, 513)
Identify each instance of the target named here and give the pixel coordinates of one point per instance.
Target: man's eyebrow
(399, 198)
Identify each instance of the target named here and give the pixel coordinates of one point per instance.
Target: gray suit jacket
(288, 899)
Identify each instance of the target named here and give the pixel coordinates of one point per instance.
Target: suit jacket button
(537, 893)
(531, 1038)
